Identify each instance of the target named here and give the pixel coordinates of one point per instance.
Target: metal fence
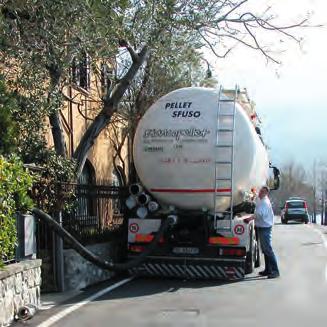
(8, 259)
(97, 213)
(97, 216)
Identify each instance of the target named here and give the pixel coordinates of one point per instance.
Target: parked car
(295, 209)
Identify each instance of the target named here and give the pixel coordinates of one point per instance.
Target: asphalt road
(297, 298)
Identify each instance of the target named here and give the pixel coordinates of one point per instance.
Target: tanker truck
(200, 158)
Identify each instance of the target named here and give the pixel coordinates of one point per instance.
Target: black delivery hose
(89, 256)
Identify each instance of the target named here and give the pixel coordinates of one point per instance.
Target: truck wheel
(257, 261)
(249, 263)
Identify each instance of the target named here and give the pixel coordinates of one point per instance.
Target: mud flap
(192, 268)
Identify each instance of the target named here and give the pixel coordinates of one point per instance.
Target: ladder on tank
(224, 160)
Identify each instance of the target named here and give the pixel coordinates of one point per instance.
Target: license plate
(186, 250)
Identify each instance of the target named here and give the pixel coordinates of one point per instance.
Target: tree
(199, 23)
(8, 127)
(320, 189)
(43, 37)
(173, 65)
(294, 182)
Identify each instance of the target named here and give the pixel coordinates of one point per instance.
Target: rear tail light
(223, 240)
(305, 205)
(286, 205)
(146, 238)
(136, 248)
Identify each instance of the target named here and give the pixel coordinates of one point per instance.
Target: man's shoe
(273, 275)
(263, 273)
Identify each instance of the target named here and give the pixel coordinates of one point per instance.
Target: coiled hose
(89, 256)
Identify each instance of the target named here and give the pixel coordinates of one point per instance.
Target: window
(296, 204)
(106, 73)
(116, 180)
(81, 71)
(85, 205)
(87, 175)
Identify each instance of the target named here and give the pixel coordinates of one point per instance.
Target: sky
(289, 98)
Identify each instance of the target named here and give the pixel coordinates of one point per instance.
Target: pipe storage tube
(135, 189)
(143, 199)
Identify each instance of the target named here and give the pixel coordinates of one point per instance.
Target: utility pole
(314, 193)
(59, 257)
(323, 201)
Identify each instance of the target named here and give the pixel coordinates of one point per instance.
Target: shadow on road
(290, 223)
(253, 278)
(141, 287)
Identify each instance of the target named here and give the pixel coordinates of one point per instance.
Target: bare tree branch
(224, 17)
(259, 47)
(82, 114)
(209, 44)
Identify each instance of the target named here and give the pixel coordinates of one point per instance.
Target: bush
(15, 183)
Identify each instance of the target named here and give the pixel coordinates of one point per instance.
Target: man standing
(264, 220)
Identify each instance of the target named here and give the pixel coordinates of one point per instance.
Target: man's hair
(266, 188)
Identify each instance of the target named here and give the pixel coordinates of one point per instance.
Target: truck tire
(250, 256)
(257, 261)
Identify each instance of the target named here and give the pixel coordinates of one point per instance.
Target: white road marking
(318, 231)
(75, 307)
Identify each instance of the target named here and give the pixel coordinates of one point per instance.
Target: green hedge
(15, 182)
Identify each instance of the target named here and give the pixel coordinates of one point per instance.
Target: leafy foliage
(15, 184)
(8, 127)
(25, 137)
(52, 191)
(41, 38)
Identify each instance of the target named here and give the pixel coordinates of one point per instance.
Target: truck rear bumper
(191, 268)
(296, 217)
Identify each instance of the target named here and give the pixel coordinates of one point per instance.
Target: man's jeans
(265, 236)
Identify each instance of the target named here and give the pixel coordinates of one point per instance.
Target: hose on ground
(89, 256)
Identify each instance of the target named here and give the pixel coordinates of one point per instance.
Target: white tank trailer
(176, 156)
(199, 156)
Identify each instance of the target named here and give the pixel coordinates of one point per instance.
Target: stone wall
(19, 285)
(80, 273)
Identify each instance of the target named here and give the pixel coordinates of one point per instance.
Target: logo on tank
(176, 134)
(182, 109)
